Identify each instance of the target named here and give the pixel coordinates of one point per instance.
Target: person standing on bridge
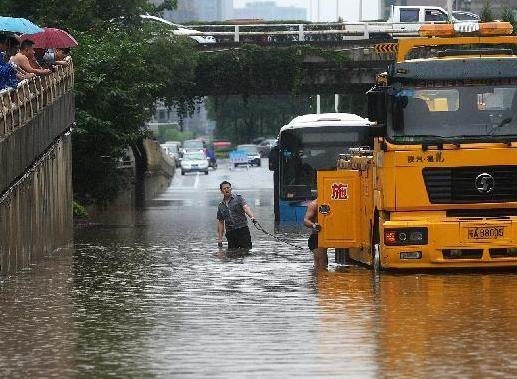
(231, 215)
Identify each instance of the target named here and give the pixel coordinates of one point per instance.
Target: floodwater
(149, 295)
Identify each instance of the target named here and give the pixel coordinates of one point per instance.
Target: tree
(79, 15)
(241, 119)
(120, 73)
(487, 14)
(508, 16)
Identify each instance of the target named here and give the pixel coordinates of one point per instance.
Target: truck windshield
(304, 151)
(456, 113)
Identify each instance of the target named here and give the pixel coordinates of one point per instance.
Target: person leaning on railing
(22, 60)
(8, 75)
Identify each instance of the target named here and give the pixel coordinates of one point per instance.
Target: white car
(462, 16)
(180, 30)
(194, 161)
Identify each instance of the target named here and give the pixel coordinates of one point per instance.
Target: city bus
(309, 143)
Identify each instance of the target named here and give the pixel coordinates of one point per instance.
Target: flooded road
(150, 295)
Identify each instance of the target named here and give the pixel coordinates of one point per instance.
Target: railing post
(236, 36)
(301, 35)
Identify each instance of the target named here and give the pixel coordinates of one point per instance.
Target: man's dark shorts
(239, 238)
(313, 241)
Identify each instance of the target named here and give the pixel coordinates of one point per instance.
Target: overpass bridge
(363, 56)
(313, 33)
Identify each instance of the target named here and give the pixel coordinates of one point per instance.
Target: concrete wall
(160, 170)
(36, 212)
(36, 169)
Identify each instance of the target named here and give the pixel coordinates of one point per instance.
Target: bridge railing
(19, 105)
(283, 32)
(32, 117)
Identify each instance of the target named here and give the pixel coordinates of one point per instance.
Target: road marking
(196, 183)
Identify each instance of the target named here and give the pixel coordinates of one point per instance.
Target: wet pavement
(149, 295)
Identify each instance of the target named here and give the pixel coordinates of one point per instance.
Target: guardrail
(20, 105)
(32, 116)
(343, 31)
(293, 32)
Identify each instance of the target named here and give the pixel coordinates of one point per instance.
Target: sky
(347, 9)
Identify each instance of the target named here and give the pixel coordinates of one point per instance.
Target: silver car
(253, 154)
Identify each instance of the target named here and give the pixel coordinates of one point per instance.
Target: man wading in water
(311, 221)
(231, 215)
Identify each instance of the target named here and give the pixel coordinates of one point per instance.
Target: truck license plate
(488, 232)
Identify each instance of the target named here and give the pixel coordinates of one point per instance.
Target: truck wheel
(341, 256)
(376, 247)
(206, 172)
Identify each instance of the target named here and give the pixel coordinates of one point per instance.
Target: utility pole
(360, 10)
(318, 10)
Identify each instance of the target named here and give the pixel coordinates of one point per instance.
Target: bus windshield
(304, 151)
(453, 113)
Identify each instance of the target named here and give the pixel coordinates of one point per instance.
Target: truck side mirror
(377, 105)
(273, 158)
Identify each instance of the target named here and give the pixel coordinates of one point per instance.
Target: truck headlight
(405, 236)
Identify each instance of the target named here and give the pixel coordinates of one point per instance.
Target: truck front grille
(458, 184)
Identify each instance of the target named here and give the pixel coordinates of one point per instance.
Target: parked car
(180, 30)
(265, 147)
(172, 149)
(253, 153)
(194, 161)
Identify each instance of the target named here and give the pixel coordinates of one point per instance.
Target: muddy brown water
(148, 294)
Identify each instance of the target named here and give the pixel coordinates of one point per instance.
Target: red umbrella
(51, 38)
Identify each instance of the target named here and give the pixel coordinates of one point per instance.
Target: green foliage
(240, 120)
(255, 69)
(79, 211)
(78, 15)
(171, 132)
(121, 70)
(487, 14)
(509, 16)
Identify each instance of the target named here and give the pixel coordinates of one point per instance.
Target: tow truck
(439, 187)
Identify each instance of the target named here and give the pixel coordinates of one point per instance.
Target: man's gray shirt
(233, 214)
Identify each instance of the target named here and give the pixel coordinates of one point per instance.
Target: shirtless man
(24, 56)
(311, 221)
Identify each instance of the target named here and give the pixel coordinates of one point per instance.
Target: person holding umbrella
(52, 46)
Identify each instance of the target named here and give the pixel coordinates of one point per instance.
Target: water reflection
(465, 322)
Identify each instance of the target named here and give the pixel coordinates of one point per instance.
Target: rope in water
(279, 239)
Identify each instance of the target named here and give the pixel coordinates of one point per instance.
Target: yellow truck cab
(439, 188)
